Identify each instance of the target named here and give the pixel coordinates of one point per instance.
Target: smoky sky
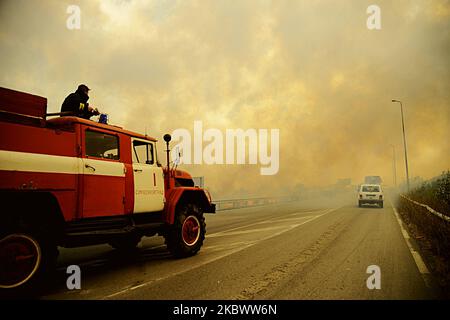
(311, 69)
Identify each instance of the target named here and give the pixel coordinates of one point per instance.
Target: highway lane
(299, 250)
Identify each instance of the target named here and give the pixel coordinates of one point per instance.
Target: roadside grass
(434, 193)
(431, 233)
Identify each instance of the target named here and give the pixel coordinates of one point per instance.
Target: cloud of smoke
(309, 68)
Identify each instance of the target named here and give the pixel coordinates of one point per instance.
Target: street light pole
(404, 143)
(394, 165)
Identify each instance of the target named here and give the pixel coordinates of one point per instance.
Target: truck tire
(381, 204)
(126, 243)
(26, 259)
(185, 237)
(359, 204)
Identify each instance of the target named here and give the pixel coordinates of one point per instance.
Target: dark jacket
(77, 104)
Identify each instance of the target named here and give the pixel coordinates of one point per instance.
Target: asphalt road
(297, 250)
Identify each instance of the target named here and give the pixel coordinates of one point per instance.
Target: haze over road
(297, 250)
(311, 69)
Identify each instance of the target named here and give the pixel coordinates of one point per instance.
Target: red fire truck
(69, 182)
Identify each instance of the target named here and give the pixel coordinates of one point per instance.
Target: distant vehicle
(373, 180)
(370, 194)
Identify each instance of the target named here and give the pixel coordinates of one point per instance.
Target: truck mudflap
(211, 209)
(212, 206)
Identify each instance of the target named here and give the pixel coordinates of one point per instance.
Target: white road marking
(273, 219)
(290, 227)
(233, 233)
(228, 246)
(416, 255)
(303, 212)
(291, 219)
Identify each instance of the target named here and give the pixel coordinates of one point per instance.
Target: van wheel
(185, 237)
(25, 261)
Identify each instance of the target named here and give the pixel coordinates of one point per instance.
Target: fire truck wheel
(185, 237)
(25, 260)
(125, 243)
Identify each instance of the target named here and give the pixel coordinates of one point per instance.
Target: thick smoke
(309, 68)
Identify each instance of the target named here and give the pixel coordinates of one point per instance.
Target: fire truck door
(148, 178)
(103, 176)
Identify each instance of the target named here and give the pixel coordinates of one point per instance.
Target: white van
(370, 194)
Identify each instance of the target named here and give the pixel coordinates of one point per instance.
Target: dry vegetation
(431, 232)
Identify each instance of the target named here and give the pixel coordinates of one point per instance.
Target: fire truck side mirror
(167, 139)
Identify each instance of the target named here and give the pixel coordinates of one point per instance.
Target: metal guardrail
(228, 204)
(431, 210)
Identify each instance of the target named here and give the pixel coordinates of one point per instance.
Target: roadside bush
(434, 193)
(431, 232)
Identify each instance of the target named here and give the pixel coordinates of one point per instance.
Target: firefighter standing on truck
(76, 104)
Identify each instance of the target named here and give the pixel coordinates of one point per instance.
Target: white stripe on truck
(45, 163)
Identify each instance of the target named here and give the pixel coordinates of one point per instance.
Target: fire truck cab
(71, 182)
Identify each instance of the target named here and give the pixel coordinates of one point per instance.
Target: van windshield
(370, 189)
